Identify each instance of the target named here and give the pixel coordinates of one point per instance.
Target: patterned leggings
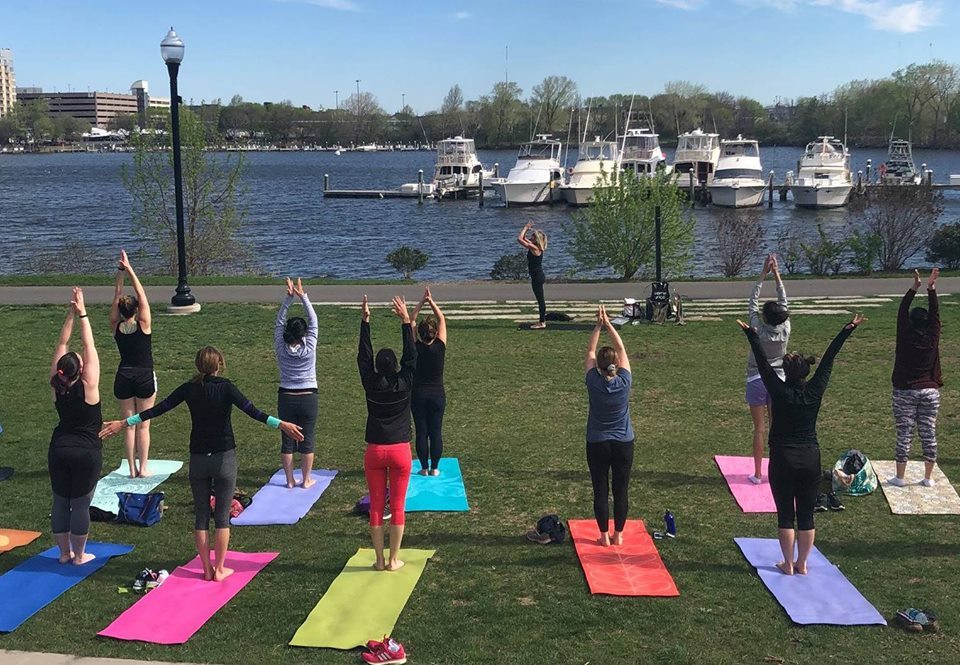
(916, 408)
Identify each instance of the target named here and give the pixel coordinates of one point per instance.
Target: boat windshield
(697, 142)
(738, 173)
(745, 149)
(454, 148)
(640, 145)
(538, 151)
(595, 151)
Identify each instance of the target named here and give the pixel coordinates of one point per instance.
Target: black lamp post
(171, 48)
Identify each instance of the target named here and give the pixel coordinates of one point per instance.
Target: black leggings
(428, 417)
(601, 457)
(536, 281)
(795, 483)
(74, 472)
(215, 473)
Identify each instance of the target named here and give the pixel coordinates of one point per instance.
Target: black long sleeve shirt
(917, 361)
(388, 397)
(794, 409)
(210, 402)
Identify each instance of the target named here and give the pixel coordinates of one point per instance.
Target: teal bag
(853, 474)
(140, 509)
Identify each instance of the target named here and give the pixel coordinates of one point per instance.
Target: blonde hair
(209, 362)
(540, 240)
(607, 358)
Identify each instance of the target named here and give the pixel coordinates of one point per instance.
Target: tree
(210, 182)
(502, 113)
(43, 129)
(738, 234)
(825, 255)
(617, 231)
(510, 266)
(945, 246)
(550, 99)
(450, 111)
(407, 260)
(365, 116)
(904, 218)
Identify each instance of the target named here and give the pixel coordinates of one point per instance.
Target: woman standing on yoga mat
(213, 459)
(74, 458)
(536, 244)
(794, 449)
(609, 430)
(135, 385)
(295, 343)
(429, 398)
(773, 330)
(388, 387)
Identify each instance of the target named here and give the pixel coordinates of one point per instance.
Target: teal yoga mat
(444, 493)
(105, 496)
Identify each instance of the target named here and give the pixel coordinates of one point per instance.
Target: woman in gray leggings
(213, 460)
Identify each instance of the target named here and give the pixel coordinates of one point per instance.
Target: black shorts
(139, 382)
(74, 470)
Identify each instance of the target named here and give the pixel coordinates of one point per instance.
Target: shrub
(407, 260)
(904, 218)
(944, 247)
(864, 250)
(510, 266)
(788, 247)
(825, 255)
(739, 235)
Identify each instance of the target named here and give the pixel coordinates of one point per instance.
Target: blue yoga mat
(42, 579)
(105, 496)
(822, 596)
(439, 493)
(275, 503)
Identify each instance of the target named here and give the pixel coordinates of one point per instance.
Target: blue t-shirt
(609, 416)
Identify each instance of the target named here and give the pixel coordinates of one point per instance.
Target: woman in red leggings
(388, 385)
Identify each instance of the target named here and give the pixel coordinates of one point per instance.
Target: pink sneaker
(388, 652)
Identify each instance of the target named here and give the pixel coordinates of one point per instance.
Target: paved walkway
(31, 658)
(489, 291)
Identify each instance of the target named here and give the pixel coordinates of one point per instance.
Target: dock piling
(420, 187)
(770, 190)
(326, 181)
(480, 193)
(869, 170)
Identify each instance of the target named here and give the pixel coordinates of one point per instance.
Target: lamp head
(171, 48)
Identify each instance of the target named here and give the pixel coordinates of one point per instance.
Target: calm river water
(48, 200)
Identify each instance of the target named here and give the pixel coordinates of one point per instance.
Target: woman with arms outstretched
(794, 449)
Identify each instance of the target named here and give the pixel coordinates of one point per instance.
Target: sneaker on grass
(821, 506)
(388, 652)
(833, 502)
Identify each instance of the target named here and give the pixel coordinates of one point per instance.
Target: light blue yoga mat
(105, 496)
(42, 579)
(437, 493)
(275, 503)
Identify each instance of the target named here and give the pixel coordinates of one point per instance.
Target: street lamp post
(171, 48)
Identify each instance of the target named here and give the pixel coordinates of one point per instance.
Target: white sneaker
(928, 482)
(755, 480)
(897, 482)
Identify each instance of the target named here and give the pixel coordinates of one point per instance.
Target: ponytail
(68, 371)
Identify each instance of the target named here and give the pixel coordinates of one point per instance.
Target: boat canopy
(596, 151)
(539, 150)
(745, 148)
(641, 146)
(737, 173)
(697, 140)
(456, 146)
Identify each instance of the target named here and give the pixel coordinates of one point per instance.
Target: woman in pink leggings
(388, 385)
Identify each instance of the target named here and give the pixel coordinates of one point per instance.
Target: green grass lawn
(515, 418)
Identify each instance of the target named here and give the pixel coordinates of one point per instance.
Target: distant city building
(97, 108)
(8, 82)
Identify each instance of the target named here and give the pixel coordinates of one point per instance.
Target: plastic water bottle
(670, 523)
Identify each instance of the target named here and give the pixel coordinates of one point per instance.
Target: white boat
(823, 175)
(640, 152)
(899, 169)
(458, 168)
(738, 181)
(696, 157)
(536, 177)
(593, 158)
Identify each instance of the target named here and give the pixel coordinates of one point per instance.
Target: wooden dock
(370, 194)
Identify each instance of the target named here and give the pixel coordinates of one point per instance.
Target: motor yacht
(593, 159)
(738, 181)
(536, 177)
(696, 157)
(823, 175)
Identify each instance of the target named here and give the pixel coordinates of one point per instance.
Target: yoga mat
(822, 596)
(439, 493)
(751, 498)
(5, 472)
(105, 496)
(632, 569)
(41, 579)
(914, 498)
(12, 538)
(275, 503)
(178, 608)
(362, 603)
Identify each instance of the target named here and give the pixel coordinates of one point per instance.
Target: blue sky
(303, 50)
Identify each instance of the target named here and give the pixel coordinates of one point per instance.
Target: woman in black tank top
(73, 459)
(429, 401)
(135, 385)
(536, 244)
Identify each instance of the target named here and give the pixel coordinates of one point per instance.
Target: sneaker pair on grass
(387, 652)
(827, 502)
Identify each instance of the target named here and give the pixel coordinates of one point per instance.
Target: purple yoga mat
(275, 503)
(821, 596)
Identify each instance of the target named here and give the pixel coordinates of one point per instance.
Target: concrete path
(479, 291)
(31, 658)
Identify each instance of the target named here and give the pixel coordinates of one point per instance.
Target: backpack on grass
(853, 474)
(140, 509)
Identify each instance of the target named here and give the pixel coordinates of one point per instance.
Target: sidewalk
(489, 291)
(31, 658)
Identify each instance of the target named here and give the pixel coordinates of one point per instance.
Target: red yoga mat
(632, 569)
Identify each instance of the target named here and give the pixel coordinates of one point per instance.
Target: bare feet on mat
(540, 325)
(618, 538)
(604, 539)
(221, 574)
(86, 557)
(308, 483)
(396, 564)
(800, 568)
(379, 565)
(66, 558)
(785, 567)
(207, 570)
(423, 472)
(143, 473)
(434, 472)
(291, 484)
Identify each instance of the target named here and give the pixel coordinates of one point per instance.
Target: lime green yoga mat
(362, 603)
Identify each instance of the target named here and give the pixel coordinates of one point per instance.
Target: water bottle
(670, 523)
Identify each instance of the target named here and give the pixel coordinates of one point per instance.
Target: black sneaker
(821, 506)
(833, 501)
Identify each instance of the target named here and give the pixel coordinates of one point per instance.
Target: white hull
(578, 196)
(736, 196)
(526, 193)
(827, 196)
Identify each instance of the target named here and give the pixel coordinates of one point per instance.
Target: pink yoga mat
(751, 498)
(173, 612)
